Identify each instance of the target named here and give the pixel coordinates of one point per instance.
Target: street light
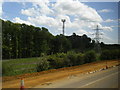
(63, 20)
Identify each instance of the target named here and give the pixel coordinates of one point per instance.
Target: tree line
(24, 41)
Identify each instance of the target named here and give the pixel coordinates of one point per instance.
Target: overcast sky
(81, 17)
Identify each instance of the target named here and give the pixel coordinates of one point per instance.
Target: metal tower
(63, 20)
(97, 39)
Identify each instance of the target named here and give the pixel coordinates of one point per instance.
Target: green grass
(20, 66)
(22, 60)
(24, 66)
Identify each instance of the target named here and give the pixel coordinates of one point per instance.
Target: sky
(81, 17)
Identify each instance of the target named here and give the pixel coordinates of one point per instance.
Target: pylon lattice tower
(97, 39)
(63, 20)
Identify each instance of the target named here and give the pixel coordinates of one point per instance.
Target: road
(101, 79)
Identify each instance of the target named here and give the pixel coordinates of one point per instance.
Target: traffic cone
(106, 67)
(22, 84)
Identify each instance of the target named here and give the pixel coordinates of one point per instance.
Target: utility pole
(97, 39)
(63, 20)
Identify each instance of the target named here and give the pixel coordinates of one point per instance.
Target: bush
(43, 65)
(115, 54)
(105, 55)
(59, 63)
(80, 59)
(90, 56)
(72, 58)
(51, 60)
(56, 61)
(61, 55)
(60, 60)
(110, 54)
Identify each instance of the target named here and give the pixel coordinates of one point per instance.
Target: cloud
(108, 40)
(109, 20)
(81, 32)
(78, 9)
(107, 28)
(77, 15)
(105, 11)
(1, 11)
(43, 20)
(115, 26)
(40, 8)
(18, 20)
(80, 18)
(29, 12)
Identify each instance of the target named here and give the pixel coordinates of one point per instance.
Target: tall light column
(63, 20)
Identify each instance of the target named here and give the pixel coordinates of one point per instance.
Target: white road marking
(98, 80)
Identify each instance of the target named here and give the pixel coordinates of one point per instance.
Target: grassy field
(20, 66)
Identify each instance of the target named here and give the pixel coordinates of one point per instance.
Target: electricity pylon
(97, 40)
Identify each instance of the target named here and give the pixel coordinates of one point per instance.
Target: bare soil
(39, 78)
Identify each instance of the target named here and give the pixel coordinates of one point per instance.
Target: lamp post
(63, 20)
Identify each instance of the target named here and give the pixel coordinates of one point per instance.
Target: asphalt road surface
(101, 79)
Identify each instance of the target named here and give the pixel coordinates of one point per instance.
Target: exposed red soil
(33, 79)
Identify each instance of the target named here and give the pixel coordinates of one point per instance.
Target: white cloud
(78, 9)
(108, 40)
(18, 20)
(81, 32)
(77, 15)
(105, 11)
(107, 28)
(43, 20)
(40, 8)
(29, 12)
(109, 20)
(1, 11)
(115, 26)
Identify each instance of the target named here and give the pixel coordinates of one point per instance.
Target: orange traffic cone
(106, 67)
(22, 84)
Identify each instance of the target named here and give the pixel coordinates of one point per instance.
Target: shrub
(51, 60)
(105, 55)
(72, 58)
(115, 54)
(61, 55)
(80, 59)
(110, 54)
(43, 65)
(90, 56)
(56, 61)
(59, 63)
(67, 62)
